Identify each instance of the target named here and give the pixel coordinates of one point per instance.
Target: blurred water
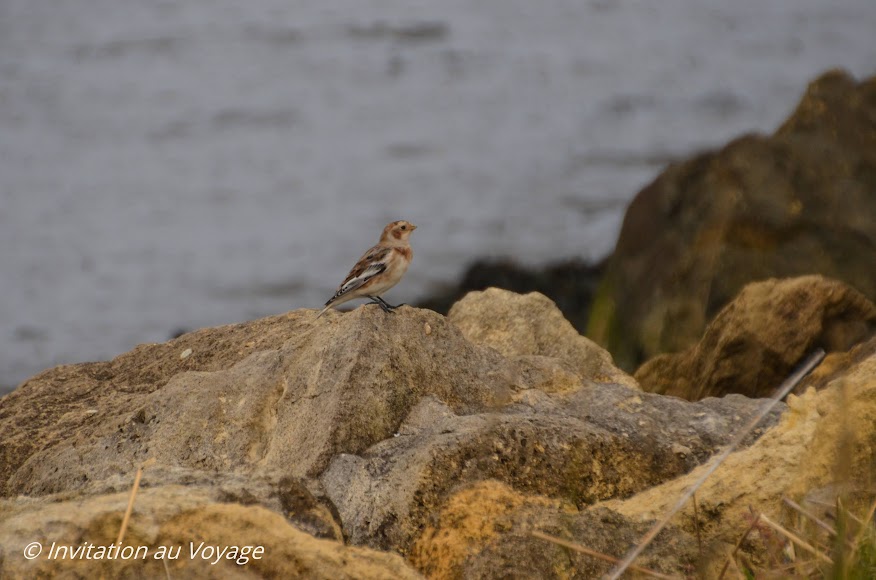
(168, 164)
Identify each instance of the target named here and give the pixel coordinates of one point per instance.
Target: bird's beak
(413, 227)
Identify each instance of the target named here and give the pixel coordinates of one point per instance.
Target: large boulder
(757, 339)
(292, 392)
(800, 201)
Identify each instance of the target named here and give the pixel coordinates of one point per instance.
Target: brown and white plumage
(379, 269)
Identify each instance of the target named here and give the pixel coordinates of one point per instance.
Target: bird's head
(398, 231)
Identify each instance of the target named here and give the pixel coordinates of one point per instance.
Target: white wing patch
(359, 281)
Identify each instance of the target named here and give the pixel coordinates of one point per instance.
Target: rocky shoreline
(375, 445)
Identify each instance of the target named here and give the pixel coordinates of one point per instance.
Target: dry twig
(130, 509)
(794, 538)
(803, 511)
(595, 554)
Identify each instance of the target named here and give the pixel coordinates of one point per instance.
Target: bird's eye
(404, 227)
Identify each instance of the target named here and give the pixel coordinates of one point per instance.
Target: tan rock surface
(529, 326)
(339, 384)
(468, 522)
(176, 516)
(484, 531)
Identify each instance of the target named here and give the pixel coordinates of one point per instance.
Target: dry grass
(837, 543)
(840, 551)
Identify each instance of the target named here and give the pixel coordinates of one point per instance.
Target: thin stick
(788, 567)
(794, 538)
(130, 509)
(599, 555)
(803, 511)
(697, 524)
(811, 362)
(822, 503)
(732, 556)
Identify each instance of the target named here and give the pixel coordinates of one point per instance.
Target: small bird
(379, 269)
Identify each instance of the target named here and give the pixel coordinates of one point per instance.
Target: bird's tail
(323, 311)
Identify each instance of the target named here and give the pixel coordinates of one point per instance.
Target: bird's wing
(369, 265)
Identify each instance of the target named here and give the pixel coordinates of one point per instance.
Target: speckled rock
(599, 442)
(485, 531)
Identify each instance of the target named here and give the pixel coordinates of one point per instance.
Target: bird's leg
(383, 305)
(387, 305)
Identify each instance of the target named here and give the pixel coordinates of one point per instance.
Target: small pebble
(185, 354)
(428, 329)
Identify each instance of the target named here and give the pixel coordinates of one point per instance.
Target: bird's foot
(383, 304)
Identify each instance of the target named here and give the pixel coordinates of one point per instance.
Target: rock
(596, 443)
(297, 500)
(470, 520)
(570, 284)
(175, 517)
(841, 450)
(306, 391)
(484, 531)
(755, 342)
(530, 325)
(798, 202)
(835, 365)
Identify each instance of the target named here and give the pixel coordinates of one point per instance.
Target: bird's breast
(405, 253)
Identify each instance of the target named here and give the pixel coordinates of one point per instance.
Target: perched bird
(379, 269)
